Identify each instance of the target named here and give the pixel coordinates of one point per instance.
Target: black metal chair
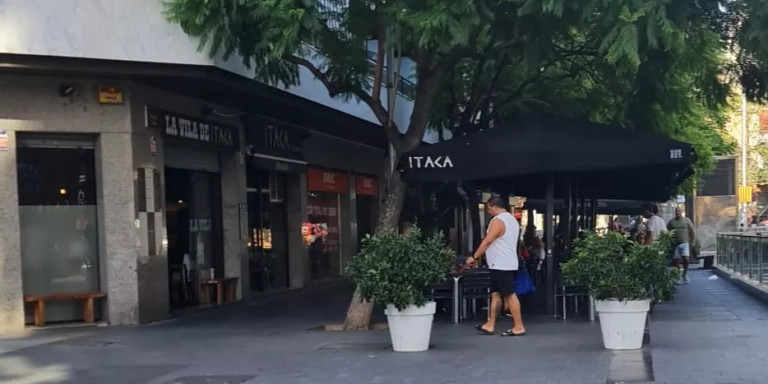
(563, 292)
(475, 284)
(441, 293)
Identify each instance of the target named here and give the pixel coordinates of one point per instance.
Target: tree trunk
(393, 203)
(359, 312)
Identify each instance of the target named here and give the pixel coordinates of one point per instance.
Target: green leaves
(395, 269)
(261, 32)
(752, 40)
(621, 43)
(613, 267)
(651, 65)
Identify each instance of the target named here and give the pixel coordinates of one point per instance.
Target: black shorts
(503, 281)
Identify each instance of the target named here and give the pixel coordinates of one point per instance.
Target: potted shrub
(395, 269)
(623, 277)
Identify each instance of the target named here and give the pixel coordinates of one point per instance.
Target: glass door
(59, 231)
(195, 244)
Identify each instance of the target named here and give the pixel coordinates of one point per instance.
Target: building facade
(138, 175)
(142, 198)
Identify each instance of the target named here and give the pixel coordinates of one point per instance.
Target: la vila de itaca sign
(184, 127)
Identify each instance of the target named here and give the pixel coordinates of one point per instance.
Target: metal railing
(744, 253)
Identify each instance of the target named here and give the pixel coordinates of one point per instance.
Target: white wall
(132, 30)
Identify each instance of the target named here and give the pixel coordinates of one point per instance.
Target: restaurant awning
(609, 162)
(549, 157)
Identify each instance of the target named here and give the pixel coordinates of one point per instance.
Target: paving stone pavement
(711, 333)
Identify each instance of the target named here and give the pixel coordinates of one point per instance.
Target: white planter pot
(410, 328)
(623, 322)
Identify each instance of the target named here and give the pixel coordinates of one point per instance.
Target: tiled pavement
(711, 333)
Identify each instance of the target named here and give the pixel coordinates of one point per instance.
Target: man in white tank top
(500, 249)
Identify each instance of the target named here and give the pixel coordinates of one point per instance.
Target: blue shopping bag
(524, 284)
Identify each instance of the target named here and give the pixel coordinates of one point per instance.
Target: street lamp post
(744, 141)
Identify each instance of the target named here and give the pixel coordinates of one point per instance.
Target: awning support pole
(549, 233)
(568, 215)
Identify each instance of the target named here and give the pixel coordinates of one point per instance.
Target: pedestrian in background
(684, 237)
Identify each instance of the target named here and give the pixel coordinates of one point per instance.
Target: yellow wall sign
(110, 95)
(745, 195)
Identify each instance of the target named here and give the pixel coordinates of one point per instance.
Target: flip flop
(484, 332)
(509, 333)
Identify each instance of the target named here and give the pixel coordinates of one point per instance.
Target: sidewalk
(711, 333)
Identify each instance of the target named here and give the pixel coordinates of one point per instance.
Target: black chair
(563, 291)
(441, 293)
(475, 284)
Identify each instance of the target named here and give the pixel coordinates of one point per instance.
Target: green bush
(395, 269)
(613, 267)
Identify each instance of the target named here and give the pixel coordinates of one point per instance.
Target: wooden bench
(226, 289)
(86, 297)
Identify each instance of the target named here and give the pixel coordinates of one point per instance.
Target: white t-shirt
(502, 254)
(656, 226)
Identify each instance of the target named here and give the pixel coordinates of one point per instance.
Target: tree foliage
(652, 65)
(749, 40)
(649, 65)
(642, 64)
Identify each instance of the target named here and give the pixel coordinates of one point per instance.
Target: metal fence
(745, 254)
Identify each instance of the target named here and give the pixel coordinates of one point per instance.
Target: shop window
(268, 228)
(322, 231)
(322, 235)
(57, 215)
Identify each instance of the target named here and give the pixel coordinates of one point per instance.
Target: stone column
(11, 293)
(116, 207)
(233, 194)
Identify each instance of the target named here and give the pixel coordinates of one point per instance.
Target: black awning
(608, 162)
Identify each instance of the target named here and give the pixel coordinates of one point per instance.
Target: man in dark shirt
(685, 235)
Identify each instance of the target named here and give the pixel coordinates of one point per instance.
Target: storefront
(307, 208)
(65, 217)
(143, 193)
(275, 165)
(191, 149)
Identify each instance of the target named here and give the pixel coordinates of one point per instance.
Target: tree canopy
(650, 65)
(657, 65)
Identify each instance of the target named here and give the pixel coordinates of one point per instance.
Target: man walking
(500, 249)
(685, 235)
